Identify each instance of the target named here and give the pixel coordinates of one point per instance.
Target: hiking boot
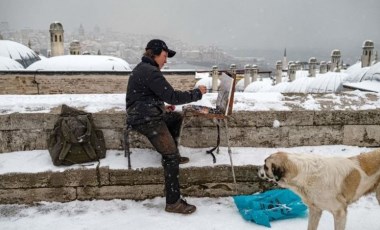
(181, 206)
(183, 160)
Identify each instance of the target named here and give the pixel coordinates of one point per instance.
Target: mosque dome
(81, 63)
(18, 52)
(9, 64)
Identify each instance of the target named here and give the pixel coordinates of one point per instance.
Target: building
(56, 39)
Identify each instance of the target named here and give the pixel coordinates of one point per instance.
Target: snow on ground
(212, 213)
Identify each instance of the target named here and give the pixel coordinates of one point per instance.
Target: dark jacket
(148, 90)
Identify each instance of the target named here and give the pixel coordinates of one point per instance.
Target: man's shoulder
(143, 66)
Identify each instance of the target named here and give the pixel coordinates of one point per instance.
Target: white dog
(325, 183)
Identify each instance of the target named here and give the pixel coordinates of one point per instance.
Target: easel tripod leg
(230, 154)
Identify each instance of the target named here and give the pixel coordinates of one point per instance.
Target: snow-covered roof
(330, 82)
(81, 63)
(372, 86)
(9, 64)
(356, 72)
(373, 73)
(356, 77)
(18, 52)
(366, 78)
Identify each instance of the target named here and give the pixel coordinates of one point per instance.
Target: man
(147, 93)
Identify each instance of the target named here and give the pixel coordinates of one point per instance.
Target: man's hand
(169, 108)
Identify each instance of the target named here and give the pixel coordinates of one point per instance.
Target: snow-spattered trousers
(163, 135)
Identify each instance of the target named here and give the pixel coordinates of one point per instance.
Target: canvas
(224, 100)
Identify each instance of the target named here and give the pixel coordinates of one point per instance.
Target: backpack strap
(65, 150)
(70, 137)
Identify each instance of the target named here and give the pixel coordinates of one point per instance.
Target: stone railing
(79, 82)
(29, 131)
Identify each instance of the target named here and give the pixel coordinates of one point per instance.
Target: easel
(224, 105)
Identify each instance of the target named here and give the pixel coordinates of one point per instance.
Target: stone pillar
(56, 39)
(233, 68)
(366, 58)
(288, 68)
(322, 67)
(255, 73)
(329, 64)
(247, 75)
(292, 72)
(312, 66)
(335, 60)
(278, 72)
(298, 65)
(215, 78)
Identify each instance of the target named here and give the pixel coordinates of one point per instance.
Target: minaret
(81, 31)
(368, 46)
(284, 61)
(56, 39)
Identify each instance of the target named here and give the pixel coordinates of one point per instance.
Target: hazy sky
(257, 24)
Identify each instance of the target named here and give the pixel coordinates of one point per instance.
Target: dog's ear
(278, 172)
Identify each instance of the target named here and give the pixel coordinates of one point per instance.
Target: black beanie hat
(157, 45)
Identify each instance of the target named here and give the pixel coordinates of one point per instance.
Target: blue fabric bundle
(271, 205)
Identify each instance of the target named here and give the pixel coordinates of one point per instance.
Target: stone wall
(30, 82)
(19, 132)
(104, 183)
(252, 129)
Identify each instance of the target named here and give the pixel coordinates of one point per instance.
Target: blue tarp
(271, 205)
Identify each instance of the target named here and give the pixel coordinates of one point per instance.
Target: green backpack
(74, 138)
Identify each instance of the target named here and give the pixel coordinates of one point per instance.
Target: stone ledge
(20, 132)
(105, 183)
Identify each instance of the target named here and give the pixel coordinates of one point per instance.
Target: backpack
(75, 139)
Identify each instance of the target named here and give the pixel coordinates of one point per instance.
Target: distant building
(56, 39)
(75, 48)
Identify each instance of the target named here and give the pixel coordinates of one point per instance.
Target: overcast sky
(251, 24)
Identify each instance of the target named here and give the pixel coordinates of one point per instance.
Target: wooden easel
(219, 114)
